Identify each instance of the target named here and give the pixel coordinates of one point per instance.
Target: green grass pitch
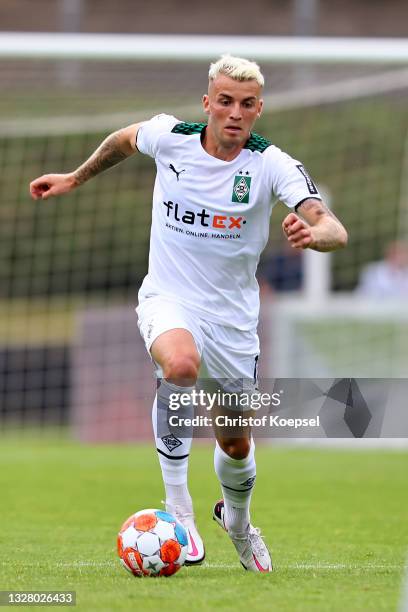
(336, 523)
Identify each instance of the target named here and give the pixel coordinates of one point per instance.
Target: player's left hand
(297, 231)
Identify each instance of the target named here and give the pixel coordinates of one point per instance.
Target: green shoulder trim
(188, 128)
(257, 143)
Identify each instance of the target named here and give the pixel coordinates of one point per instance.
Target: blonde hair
(236, 68)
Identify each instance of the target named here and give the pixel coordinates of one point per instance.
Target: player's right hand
(49, 185)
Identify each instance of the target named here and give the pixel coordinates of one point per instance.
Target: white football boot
(196, 550)
(251, 548)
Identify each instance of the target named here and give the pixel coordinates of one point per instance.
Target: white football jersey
(210, 218)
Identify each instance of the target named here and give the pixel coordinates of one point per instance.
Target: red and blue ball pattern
(152, 543)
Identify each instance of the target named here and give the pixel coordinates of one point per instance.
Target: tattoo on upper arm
(108, 154)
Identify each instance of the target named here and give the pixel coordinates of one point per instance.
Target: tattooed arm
(115, 148)
(319, 229)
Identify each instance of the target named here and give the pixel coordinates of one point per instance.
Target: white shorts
(226, 352)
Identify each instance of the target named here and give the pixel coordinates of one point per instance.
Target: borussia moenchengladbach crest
(242, 186)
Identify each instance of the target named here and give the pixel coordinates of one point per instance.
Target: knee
(236, 448)
(182, 369)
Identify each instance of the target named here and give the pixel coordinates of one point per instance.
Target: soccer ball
(152, 543)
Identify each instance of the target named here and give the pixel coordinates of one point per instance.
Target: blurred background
(70, 351)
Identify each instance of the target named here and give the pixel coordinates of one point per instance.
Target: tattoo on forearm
(329, 232)
(317, 207)
(108, 154)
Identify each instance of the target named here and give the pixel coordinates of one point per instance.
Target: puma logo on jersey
(177, 172)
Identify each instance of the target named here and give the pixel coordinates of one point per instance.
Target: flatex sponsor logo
(203, 218)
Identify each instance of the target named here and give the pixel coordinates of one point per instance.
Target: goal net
(70, 268)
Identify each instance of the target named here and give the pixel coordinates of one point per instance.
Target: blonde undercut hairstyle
(236, 68)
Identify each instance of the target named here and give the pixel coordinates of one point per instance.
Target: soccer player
(198, 306)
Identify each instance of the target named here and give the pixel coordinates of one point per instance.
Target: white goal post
(202, 47)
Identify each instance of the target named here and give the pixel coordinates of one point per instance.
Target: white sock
(178, 495)
(173, 452)
(237, 478)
